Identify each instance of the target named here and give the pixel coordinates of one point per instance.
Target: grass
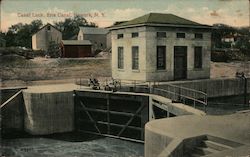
(19, 68)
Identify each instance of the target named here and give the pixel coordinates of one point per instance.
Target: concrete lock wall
(12, 114)
(12, 117)
(47, 113)
(174, 137)
(215, 87)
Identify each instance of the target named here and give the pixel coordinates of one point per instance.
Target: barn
(45, 36)
(75, 48)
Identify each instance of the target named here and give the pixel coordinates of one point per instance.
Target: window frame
(196, 37)
(135, 58)
(134, 35)
(179, 35)
(160, 34)
(163, 57)
(198, 57)
(120, 36)
(120, 57)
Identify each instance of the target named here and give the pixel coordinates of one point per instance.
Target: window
(135, 58)
(161, 57)
(119, 36)
(161, 34)
(198, 36)
(48, 28)
(135, 34)
(198, 57)
(120, 58)
(180, 35)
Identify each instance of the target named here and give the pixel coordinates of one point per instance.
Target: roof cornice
(160, 25)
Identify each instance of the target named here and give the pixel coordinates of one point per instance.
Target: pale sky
(105, 12)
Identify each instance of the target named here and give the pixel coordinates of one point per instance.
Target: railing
(188, 96)
(195, 98)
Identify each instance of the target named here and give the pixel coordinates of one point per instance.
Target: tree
(70, 26)
(20, 34)
(219, 31)
(244, 45)
(54, 49)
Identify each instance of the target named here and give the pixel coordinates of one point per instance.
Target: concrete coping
(233, 127)
(51, 88)
(169, 150)
(71, 87)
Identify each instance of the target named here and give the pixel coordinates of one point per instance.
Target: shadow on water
(68, 136)
(73, 137)
(227, 105)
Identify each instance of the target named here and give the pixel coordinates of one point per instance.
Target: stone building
(97, 36)
(45, 36)
(160, 47)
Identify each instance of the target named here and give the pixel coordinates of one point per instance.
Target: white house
(160, 47)
(44, 36)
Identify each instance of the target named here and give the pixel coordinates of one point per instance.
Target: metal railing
(187, 96)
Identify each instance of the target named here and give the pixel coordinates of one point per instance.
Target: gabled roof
(160, 19)
(93, 30)
(76, 42)
(48, 24)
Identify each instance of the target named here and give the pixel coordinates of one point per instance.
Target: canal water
(227, 105)
(70, 145)
(85, 145)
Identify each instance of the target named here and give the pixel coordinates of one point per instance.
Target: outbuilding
(76, 48)
(97, 36)
(45, 36)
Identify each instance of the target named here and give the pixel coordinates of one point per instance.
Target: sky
(105, 12)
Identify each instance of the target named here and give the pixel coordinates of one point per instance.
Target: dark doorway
(180, 62)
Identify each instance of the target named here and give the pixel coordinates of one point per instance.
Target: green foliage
(70, 26)
(219, 31)
(242, 42)
(54, 50)
(227, 56)
(26, 53)
(244, 45)
(20, 34)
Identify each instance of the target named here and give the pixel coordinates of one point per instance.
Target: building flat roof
(76, 42)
